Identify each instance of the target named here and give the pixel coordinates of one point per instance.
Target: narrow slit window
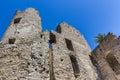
(75, 65)
(17, 20)
(69, 44)
(41, 35)
(111, 59)
(52, 38)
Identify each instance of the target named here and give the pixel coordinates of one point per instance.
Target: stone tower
(28, 53)
(106, 57)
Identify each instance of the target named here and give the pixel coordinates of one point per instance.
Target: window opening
(69, 44)
(17, 20)
(11, 40)
(59, 29)
(75, 65)
(52, 38)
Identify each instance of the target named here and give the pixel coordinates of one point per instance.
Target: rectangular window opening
(52, 38)
(58, 29)
(11, 40)
(69, 44)
(17, 20)
(75, 65)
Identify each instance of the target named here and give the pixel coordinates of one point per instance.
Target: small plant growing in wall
(99, 38)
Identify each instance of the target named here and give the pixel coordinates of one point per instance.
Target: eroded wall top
(71, 33)
(24, 26)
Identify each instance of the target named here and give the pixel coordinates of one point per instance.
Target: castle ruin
(29, 53)
(106, 57)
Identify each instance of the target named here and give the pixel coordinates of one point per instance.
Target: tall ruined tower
(28, 53)
(106, 57)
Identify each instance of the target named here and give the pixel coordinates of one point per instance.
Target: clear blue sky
(90, 17)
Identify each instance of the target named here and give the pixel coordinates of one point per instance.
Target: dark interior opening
(58, 29)
(41, 35)
(11, 40)
(17, 20)
(69, 44)
(93, 60)
(52, 38)
(111, 59)
(75, 65)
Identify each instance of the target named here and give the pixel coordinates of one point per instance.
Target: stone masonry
(28, 53)
(106, 57)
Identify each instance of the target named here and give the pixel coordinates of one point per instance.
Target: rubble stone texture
(29, 53)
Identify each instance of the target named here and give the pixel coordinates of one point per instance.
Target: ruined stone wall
(107, 57)
(23, 26)
(72, 54)
(24, 50)
(28, 53)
